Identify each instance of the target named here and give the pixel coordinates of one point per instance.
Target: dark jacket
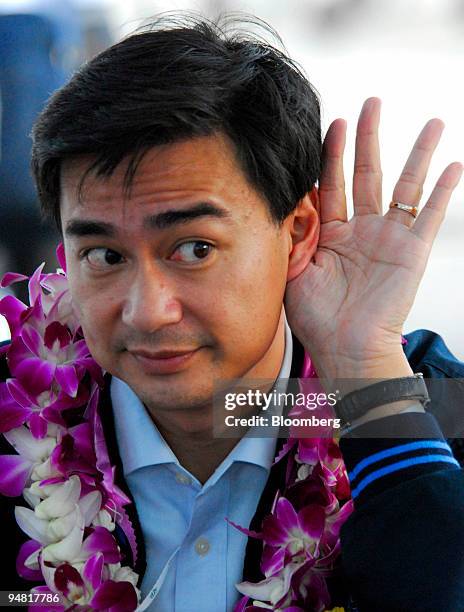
(403, 546)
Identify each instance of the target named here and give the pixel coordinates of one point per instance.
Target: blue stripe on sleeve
(395, 467)
(396, 450)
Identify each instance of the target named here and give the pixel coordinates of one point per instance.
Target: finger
(332, 180)
(431, 216)
(408, 189)
(367, 178)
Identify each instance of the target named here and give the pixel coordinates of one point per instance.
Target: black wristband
(355, 404)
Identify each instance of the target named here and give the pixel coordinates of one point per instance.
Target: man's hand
(349, 305)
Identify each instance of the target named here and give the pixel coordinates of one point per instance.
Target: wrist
(375, 399)
(348, 374)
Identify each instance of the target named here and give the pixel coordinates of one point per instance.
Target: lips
(168, 354)
(165, 361)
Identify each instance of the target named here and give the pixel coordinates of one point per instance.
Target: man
(181, 167)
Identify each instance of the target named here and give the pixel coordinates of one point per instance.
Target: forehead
(199, 168)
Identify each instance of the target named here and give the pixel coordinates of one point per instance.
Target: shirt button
(183, 478)
(202, 547)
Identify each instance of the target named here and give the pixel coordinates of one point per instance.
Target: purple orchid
(322, 456)
(18, 405)
(38, 360)
(297, 533)
(291, 540)
(115, 596)
(333, 472)
(75, 451)
(29, 571)
(93, 586)
(44, 346)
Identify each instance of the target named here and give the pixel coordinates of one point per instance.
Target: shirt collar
(140, 443)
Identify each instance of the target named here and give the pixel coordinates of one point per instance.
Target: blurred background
(408, 52)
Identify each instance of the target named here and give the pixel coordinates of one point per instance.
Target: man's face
(181, 283)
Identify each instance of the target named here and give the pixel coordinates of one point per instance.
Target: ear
(304, 227)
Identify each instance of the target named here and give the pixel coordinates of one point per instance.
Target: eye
(102, 258)
(193, 251)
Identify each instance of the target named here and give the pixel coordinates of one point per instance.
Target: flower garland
(301, 536)
(49, 414)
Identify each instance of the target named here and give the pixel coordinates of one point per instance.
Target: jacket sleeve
(403, 545)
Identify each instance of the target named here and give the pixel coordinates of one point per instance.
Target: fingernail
(370, 103)
(438, 121)
(367, 104)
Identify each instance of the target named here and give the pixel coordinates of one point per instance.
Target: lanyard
(155, 589)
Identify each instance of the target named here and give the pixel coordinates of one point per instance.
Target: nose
(151, 301)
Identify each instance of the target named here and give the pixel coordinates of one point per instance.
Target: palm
(358, 290)
(365, 274)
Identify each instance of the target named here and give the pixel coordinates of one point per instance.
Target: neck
(190, 435)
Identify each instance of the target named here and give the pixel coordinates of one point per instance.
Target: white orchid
(58, 521)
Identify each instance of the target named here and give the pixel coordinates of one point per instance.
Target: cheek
(260, 278)
(95, 314)
(248, 297)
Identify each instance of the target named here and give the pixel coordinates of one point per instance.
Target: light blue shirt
(176, 510)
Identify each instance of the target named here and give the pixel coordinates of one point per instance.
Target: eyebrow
(174, 217)
(89, 227)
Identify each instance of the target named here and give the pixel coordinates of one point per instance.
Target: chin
(171, 394)
(174, 402)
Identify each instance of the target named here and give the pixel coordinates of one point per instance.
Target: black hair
(176, 80)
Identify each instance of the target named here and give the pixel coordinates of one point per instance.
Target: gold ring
(412, 210)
